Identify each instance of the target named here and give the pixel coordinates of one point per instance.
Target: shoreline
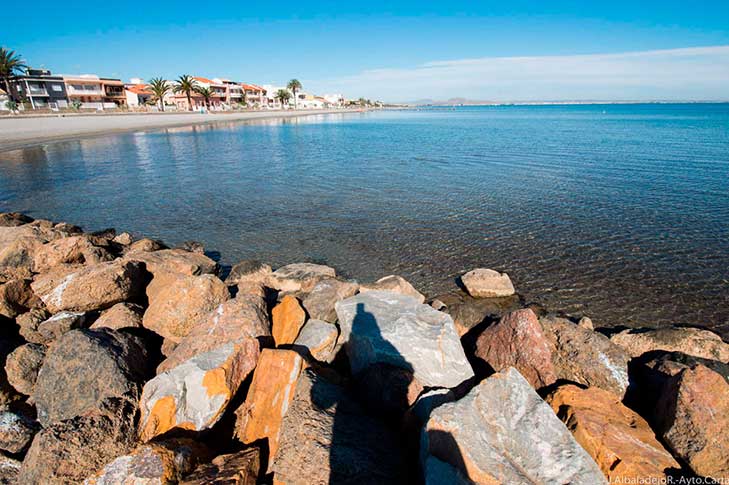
(24, 132)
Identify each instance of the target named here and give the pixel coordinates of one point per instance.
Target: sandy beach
(18, 132)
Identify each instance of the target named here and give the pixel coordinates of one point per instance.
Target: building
(220, 92)
(269, 97)
(335, 100)
(3, 100)
(234, 92)
(255, 95)
(137, 95)
(40, 89)
(93, 92)
(114, 92)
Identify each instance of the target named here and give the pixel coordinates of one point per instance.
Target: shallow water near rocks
(619, 212)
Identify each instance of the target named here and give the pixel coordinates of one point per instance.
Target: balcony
(88, 90)
(37, 92)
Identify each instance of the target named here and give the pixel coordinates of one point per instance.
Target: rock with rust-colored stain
(18, 245)
(693, 416)
(195, 394)
(690, 341)
(178, 302)
(22, 367)
(69, 250)
(271, 391)
(396, 284)
(16, 297)
(248, 271)
(176, 261)
(241, 468)
(287, 319)
(121, 315)
(618, 439)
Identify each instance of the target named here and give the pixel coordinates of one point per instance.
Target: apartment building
(137, 94)
(255, 95)
(94, 92)
(114, 91)
(40, 89)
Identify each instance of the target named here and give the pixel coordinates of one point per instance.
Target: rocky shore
(124, 361)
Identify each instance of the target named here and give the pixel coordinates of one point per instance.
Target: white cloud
(688, 74)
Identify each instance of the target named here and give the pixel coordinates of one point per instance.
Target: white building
(336, 100)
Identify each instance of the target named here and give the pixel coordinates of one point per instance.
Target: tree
(282, 96)
(160, 88)
(186, 84)
(10, 65)
(294, 85)
(12, 106)
(206, 93)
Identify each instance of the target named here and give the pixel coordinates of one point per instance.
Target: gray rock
(319, 303)
(299, 277)
(503, 432)
(16, 431)
(487, 283)
(389, 328)
(396, 284)
(320, 340)
(690, 341)
(59, 324)
(248, 271)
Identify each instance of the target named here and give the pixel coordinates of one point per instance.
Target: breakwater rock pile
(124, 361)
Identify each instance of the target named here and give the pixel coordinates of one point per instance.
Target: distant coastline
(457, 102)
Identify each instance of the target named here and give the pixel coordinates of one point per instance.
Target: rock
(319, 303)
(248, 271)
(269, 397)
(125, 239)
(618, 439)
(16, 431)
(194, 395)
(69, 250)
(17, 249)
(319, 339)
(85, 367)
(70, 451)
(690, 341)
(396, 284)
(9, 470)
(175, 261)
(59, 324)
(16, 297)
(287, 319)
(586, 323)
(152, 464)
(326, 437)
(238, 318)
(439, 305)
(67, 229)
(28, 324)
(178, 302)
(518, 340)
(299, 277)
(487, 283)
(22, 367)
(519, 438)
(693, 416)
(387, 390)
(13, 219)
(93, 288)
(146, 245)
(241, 468)
(121, 315)
(191, 246)
(385, 327)
(468, 312)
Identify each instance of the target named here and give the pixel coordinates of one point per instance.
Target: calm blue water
(617, 212)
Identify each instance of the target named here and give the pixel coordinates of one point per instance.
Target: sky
(398, 51)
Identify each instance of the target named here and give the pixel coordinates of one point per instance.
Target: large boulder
(287, 318)
(83, 368)
(29, 322)
(93, 288)
(487, 283)
(240, 468)
(396, 284)
(194, 395)
(247, 272)
(17, 249)
(14, 219)
(174, 261)
(22, 366)
(121, 315)
(693, 416)
(16, 431)
(16, 297)
(319, 303)
(69, 451)
(618, 439)
(178, 302)
(69, 250)
(241, 317)
(269, 398)
(326, 437)
(690, 341)
(389, 328)
(297, 277)
(318, 339)
(519, 439)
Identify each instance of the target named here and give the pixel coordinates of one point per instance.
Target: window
(56, 87)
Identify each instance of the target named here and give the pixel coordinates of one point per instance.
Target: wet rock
(69, 451)
(693, 416)
(60, 323)
(175, 261)
(178, 302)
(319, 338)
(241, 468)
(396, 284)
(326, 437)
(618, 439)
(487, 283)
(69, 250)
(690, 341)
(319, 303)
(16, 297)
(299, 277)
(248, 271)
(28, 324)
(145, 245)
(151, 464)
(85, 367)
(467, 311)
(16, 431)
(269, 397)
(22, 367)
(519, 438)
(287, 319)
(385, 327)
(239, 318)
(93, 288)
(14, 219)
(195, 394)
(9, 470)
(121, 315)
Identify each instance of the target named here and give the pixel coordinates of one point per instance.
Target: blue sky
(396, 51)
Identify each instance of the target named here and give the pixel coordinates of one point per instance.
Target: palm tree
(282, 96)
(294, 85)
(206, 93)
(10, 65)
(186, 84)
(160, 88)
